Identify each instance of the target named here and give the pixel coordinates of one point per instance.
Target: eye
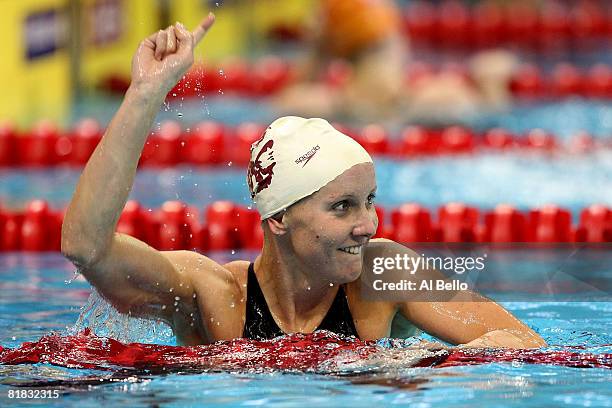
(341, 205)
(371, 198)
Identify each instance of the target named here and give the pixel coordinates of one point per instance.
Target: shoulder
(383, 247)
(384, 255)
(203, 272)
(239, 271)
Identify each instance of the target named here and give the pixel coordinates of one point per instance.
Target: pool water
(28, 278)
(482, 180)
(564, 118)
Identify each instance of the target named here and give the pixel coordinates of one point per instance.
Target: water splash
(105, 321)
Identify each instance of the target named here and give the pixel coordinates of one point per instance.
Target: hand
(496, 339)
(164, 57)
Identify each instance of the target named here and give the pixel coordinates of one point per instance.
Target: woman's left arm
(468, 319)
(479, 323)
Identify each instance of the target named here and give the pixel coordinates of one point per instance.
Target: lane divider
(212, 143)
(224, 225)
(271, 75)
(547, 25)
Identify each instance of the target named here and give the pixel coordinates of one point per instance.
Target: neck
(296, 295)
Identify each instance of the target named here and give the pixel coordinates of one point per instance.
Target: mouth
(353, 250)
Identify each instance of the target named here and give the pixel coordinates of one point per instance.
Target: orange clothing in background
(351, 26)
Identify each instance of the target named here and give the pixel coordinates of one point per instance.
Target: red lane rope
(271, 75)
(296, 352)
(212, 143)
(547, 26)
(85, 350)
(226, 225)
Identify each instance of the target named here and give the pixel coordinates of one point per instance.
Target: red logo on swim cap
(258, 176)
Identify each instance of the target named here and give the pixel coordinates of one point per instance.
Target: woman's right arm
(133, 276)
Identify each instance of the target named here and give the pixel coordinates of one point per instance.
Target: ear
(276, 225)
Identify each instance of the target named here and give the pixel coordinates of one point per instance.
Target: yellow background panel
(36, 89)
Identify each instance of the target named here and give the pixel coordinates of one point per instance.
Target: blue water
(25, 280)
(563, 118)
(482, 180)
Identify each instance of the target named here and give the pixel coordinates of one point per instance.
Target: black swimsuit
(260, 325)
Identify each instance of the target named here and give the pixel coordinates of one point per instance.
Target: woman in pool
(314, 188)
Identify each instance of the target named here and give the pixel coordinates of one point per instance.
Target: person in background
(355, 62)
(356, 68)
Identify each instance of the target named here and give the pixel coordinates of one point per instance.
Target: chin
(350, 273)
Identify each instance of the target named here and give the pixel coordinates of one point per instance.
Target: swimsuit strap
(260, 325)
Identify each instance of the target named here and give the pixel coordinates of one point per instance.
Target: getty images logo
(305, 158)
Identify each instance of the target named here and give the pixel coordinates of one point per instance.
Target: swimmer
(364, 40)
(364, 37)
(314, 188)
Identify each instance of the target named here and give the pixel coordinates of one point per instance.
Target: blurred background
(392, 62)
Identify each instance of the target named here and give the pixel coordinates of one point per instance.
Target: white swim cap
(296, 157)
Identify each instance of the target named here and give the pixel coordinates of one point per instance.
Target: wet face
(328, 230)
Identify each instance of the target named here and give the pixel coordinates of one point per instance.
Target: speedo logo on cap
(305, 158)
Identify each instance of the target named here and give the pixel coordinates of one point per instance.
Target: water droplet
(163, 307)
(194, 296)
(308, 288)
(232, 305)
(176, 310)
(229, 164)
(171, 290)
(74, 276)
(233, 252)
(331, 284)
(177, 298)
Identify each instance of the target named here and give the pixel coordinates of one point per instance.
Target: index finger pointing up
(202, 28)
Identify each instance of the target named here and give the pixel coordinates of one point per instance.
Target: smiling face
(328, 230)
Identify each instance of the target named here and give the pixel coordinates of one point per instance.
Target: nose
(366, 224)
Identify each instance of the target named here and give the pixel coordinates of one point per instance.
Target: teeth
(352, 250)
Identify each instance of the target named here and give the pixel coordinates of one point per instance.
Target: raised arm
(134, 277)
